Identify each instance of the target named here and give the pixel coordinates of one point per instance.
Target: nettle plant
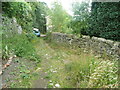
(103, 74)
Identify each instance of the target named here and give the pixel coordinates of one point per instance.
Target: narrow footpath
(55, 59)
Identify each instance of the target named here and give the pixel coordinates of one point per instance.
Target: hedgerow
(104, 20)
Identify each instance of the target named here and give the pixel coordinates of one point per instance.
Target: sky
(65, 3)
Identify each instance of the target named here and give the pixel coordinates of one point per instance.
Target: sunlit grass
(72, 68)
(75, 68)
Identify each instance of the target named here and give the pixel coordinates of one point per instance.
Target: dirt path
(54, 70)
(44, 52)
(57, 68)
(60, 67)
(55, 59)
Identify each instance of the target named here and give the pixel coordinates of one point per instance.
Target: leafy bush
(22, 11)
(93, 74)
(104, 20)
(14, 43)
(20, 46)
(104, 74)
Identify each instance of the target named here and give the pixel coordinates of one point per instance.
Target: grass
(70, 67)
(67, 67)
(76, 69)
(23, 74)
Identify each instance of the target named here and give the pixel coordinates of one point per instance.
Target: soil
(11, 73)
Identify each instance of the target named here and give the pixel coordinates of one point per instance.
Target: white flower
(57, 85)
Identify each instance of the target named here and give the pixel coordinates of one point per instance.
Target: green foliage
(14, 43)
(78, 72)
(81, 16)
(39, 13)
(59, 18)
(104, 20)
(22, 11)
(27, 15)
(103, 74)
(20, 46)
(75, 69)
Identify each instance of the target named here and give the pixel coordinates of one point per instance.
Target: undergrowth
(82, 70)
(20, 46)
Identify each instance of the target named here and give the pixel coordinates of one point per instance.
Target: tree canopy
(80, 19)
(59, 18)
(104, 20)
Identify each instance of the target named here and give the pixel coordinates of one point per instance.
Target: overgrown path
(55, 63)
(61, 66)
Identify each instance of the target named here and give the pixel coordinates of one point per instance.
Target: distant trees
(101, 21)
(80, 19)
(59, 18)
(39, 14)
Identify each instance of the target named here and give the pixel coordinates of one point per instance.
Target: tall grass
(82, 70)
(20, 46)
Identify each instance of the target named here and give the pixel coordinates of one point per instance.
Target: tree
(104, 20)
(39, 15)
(81, 13)
(20, 10)
(59, 18)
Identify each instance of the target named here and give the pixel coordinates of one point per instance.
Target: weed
(82, 70)
(20, 46)
(104, 75)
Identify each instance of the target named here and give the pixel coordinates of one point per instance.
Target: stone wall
(10, 26)
(98, 46)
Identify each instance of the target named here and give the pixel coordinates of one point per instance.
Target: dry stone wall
(10, 26)
(99, 46)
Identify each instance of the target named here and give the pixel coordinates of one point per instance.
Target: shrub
(20, 46)
(22, 11)
(104, 20)
(104, 74)
(93, 74)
